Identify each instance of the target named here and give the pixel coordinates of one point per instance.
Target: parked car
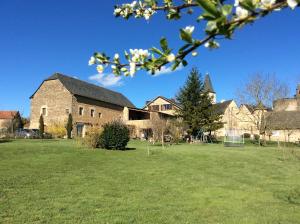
(27, 133)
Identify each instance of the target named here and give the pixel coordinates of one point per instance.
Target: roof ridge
(70, 77)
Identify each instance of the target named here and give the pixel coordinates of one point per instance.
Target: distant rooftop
(8, 114)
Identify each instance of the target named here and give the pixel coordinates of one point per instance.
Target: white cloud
(107, 80)
(167, 70)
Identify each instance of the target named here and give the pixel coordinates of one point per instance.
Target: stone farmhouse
(90, 105)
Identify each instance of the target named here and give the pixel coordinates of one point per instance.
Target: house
(90, 105)
(228, 111)
(9, 120)
(283, 123)
(163, 105)
(141, 122)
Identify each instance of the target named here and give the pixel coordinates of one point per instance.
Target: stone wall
(291, 104)
(59, 102)
(103, 112)
(286, 136)
(5, 123)
(55, 98)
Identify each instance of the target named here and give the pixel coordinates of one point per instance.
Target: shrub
(92, 138)
(69, 126)
(115, 135)
(256, 137)
(41, 126)
(57, 129)
(247, 135)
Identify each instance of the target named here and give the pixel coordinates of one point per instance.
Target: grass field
(62, 182)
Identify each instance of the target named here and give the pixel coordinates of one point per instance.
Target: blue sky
(38, 38)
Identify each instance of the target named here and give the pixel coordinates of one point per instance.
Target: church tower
(298, 92)
(208, 87)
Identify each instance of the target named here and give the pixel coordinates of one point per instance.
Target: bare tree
(159, 127)
(260, 91)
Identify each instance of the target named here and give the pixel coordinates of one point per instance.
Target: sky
(39, 38)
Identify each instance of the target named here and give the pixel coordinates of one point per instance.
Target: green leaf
(184, 63)
(157, 51)
(248, 4)
(175, 65)
(164, 44)
(186, 36)
(206, 16)
(209, 7)
(226, 10)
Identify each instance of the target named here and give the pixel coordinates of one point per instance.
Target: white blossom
(92, 60)
(292, 3)
(117, 11)
(133, 4)
(212, 44)
(189, 29)
(171, 57)
(148, 13)
(267, 3)
(132, 68)
(236, 3)
(241, 12)
(113, 67)
(100, 69)
(194, 53)
(116, 57)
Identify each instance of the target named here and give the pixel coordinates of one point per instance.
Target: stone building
(228, 111)
(141, 122)
(283, 123)
(90, 105)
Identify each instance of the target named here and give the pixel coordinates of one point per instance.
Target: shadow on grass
(5, 140)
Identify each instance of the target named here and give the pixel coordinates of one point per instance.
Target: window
(80, 111)
(166, 107)
(92, 113)
(100, 115)
(44, 111)
(154, 108)
(67, 111)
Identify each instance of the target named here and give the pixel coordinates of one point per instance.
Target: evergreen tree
(69, 126)
(41, 126)
(197, 109)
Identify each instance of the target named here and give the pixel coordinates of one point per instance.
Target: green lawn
(62, 182)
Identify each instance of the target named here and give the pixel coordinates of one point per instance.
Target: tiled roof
(220, 108)
(8, 114)
(85, 89)
(283, 120)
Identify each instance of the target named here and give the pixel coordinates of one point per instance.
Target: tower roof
(208, 87)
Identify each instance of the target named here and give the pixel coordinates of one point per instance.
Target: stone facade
(55, 102)
(283, 123)
(55, 99)
(140, 122)
(229, 118)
